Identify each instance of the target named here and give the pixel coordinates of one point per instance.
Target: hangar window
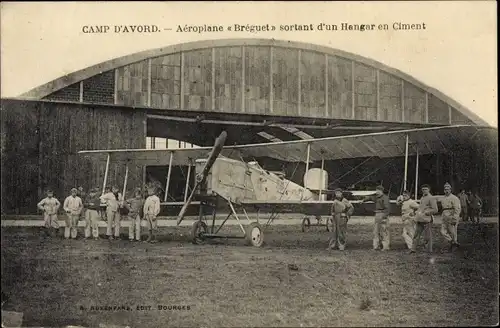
(163, 143)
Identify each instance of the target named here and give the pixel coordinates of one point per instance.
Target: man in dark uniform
(342, 209)
(381, 224)
(475, 207)
(464, 204)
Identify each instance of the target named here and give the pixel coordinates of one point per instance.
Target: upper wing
(380, 144)
(182, 156)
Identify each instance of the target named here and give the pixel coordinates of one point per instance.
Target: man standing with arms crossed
(428, 207)
(451, 216)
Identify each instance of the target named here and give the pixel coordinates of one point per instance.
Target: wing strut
(186, 190)
(106, 174)
(416, 178)
(168, 176)
(125, 181)
(406, 163)
(321, 177)
(308, 157)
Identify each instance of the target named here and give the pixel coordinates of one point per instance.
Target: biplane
(222, 175)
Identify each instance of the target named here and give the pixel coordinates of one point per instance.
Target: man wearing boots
(451, 216)
(341, 211)
(381, 233)
(424, 218)
(73, 207)
(408, 209)
(151, 211)
(50, 205)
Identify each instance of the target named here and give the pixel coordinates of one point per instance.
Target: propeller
(200, 178)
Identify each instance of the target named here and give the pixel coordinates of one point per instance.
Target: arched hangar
(258, 90)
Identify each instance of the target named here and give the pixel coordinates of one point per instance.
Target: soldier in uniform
(475, 207)
(135, 206)
(50, 205)
(114, 201)
(342, 209)
(424, 218)
(150, 211)
(83, 195)
(451, 216)
(73, 207)
(464, 204)
(381, 225)
(408, 209)
(92, 204)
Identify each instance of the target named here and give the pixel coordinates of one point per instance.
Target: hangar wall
(40, 141)
(259, 77)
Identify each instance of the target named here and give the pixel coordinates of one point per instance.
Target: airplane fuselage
(239, 182)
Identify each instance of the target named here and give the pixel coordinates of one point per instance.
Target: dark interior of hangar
(201, 128)
(40, 141)
(472, 172)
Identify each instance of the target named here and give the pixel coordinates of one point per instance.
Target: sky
(456, 53)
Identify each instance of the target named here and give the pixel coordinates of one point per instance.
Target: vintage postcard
(237, 164)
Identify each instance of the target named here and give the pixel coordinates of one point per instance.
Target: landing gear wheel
(255, 235)
(306, 223)
(199, 228)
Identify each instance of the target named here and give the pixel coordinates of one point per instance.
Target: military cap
(337, 189)
(380, 187)
(406, 192)
(73, 189)
(447, 185)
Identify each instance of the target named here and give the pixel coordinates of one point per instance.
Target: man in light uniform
(341, 211)
(113, 201)
(424, 218)
(408, 208)
(151, 211)
(50, 205)
(451, 216)
(381, 225)
(73, 207)
(92, 204)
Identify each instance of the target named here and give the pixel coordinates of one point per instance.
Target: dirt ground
(57, 282)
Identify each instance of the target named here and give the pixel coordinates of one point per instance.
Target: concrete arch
(69, 79)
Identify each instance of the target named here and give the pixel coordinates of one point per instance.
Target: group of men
(109, 205)
(471, 205)
(417, 218)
